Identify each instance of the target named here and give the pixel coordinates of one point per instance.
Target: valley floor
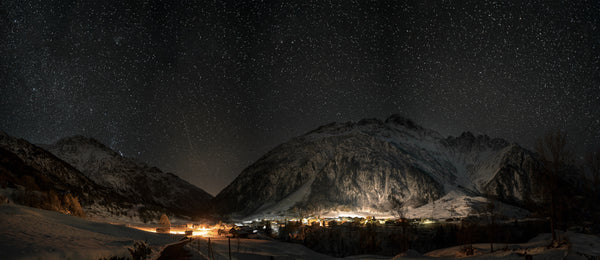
(29, 233)
(582, 247)
(250, 249)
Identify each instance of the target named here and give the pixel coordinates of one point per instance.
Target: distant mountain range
(99, 177)
(372, 167)
(377, 166)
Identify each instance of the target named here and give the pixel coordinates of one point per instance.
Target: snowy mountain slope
(137, 182)
(28, 233)
(35, 169)
(372, 166)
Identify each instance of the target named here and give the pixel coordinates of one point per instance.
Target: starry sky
(204, 88)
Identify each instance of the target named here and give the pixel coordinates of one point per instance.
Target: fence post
(212, 252)
(209, 247)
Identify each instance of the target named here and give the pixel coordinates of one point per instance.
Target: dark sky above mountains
(204, 88)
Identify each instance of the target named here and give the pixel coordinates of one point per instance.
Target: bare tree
(593, 162)
(491, 210)
(164, 222)
(398, 207)
(555, 157)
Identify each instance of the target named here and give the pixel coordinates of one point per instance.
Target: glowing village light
(428, 221)
(204, 230)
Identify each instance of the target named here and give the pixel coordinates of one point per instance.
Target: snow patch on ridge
(457, 204)
(279, 208)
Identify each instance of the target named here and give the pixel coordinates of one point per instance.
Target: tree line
(570, 189)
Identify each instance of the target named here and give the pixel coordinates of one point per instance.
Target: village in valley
(345, 236)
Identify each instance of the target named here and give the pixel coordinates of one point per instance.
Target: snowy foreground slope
(581, 247)
(29, 233)
(252, 249)
(371, 166)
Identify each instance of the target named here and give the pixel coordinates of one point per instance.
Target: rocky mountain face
(34, 172)
(103, 181)
(375, 166)
(137, 182)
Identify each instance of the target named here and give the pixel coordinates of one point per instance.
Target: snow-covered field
(251, 249)
(29, 233)
(581, 246)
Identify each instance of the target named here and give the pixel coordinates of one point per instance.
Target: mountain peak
(397, 119)
(370, 121)
(367, 124)
(468, 140)
(80, 139)
(79, 142)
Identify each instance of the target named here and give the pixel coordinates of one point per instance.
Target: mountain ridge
(128, 177)
(103, 180)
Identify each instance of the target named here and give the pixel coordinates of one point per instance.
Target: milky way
(203, 89)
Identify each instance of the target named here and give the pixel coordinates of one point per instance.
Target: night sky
(203, 89)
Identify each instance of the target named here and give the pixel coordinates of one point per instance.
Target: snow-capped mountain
(373, 166)
(34, 169)
(135, 181)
